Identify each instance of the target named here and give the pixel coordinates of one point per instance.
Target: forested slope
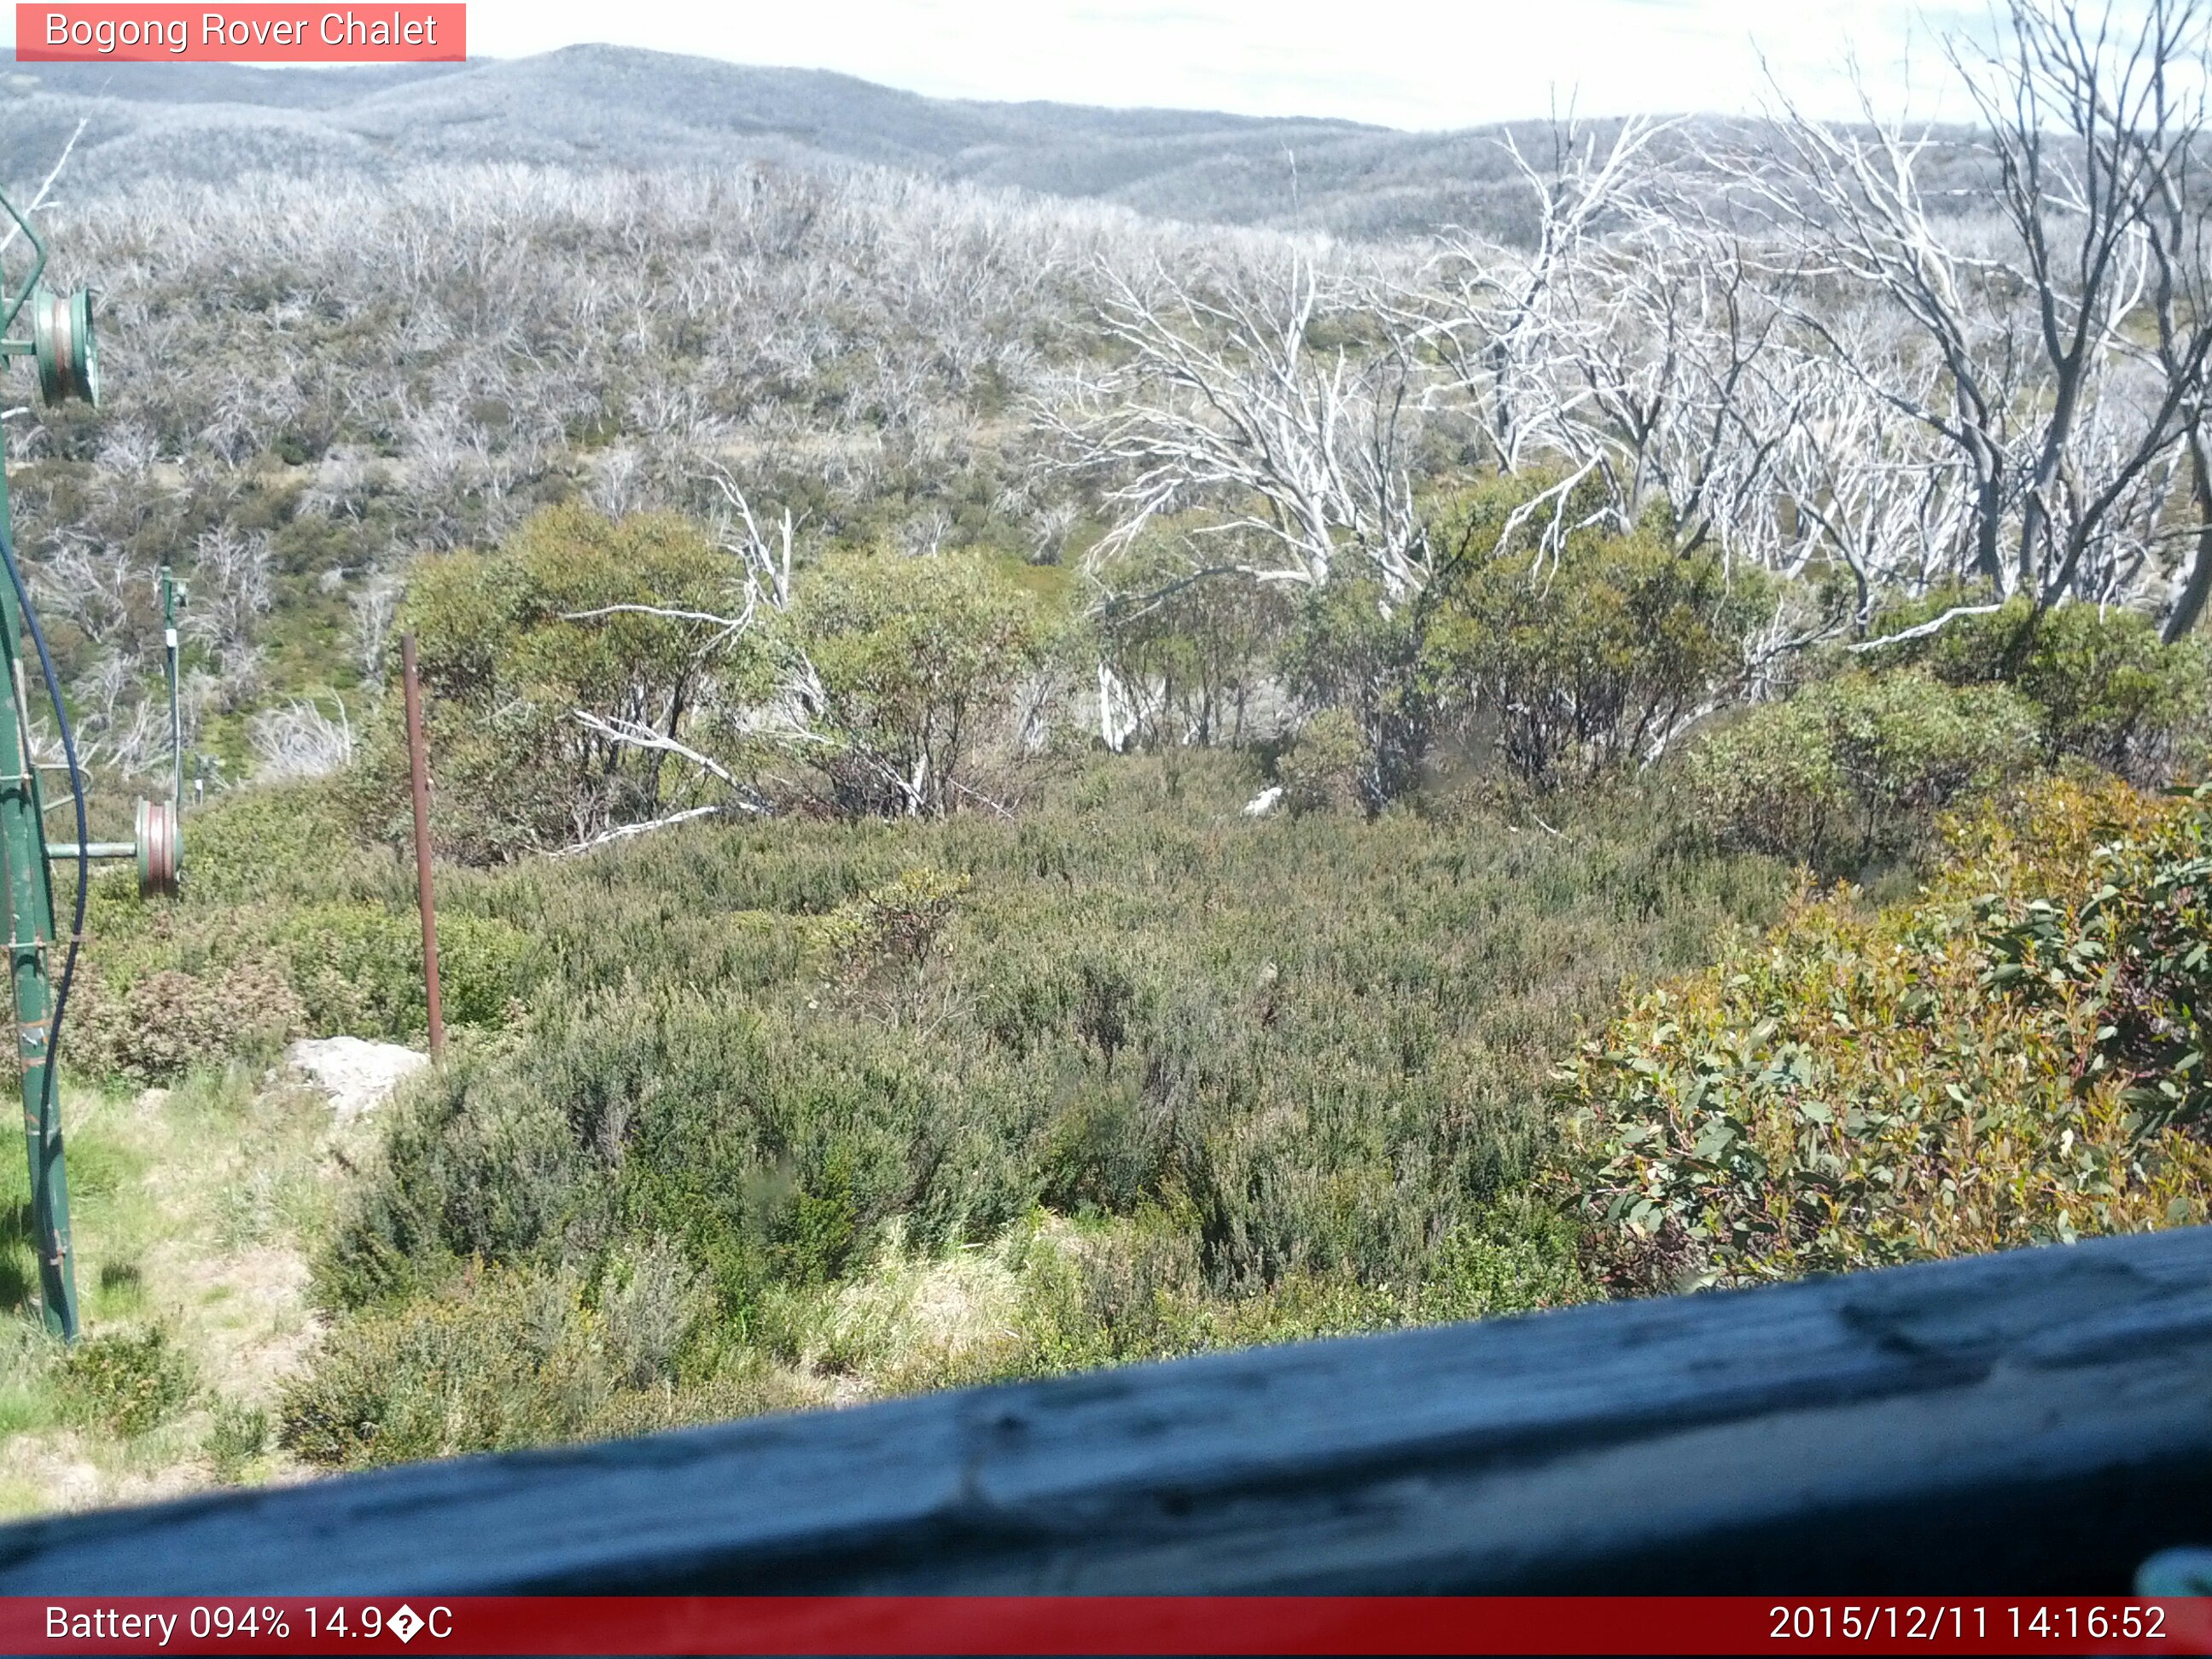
(1022, 786)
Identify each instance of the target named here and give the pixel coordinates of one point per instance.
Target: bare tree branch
(624, 832)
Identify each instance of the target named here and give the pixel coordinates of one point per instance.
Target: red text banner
(1101, 1624)
(259, 34)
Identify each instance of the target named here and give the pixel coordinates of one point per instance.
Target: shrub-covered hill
(599, 105)
(773, 1112)
(905, 1034)
(787, 1113)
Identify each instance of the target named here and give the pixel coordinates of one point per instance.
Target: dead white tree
(2160, 138)
(41, 197)
(1867, 486)
(299, 740)
(1226, 398)
(2091, 123)
(625, 831)
(1672, 378)
(375, 605)
(1640, 342)
(234, 587)
(2022, 351)
(1494, 316)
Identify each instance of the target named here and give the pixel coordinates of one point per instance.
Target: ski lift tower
(41, 960)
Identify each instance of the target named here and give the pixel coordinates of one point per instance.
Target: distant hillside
(605, 105)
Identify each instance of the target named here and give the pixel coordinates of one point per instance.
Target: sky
(1414, 63)
(1419, 64)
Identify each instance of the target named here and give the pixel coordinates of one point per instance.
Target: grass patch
(194, 1209)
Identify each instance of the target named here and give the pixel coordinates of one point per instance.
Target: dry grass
(196, 1210)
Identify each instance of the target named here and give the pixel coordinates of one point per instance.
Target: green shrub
(1319, 1042)
(478, 1163)
(1856, 768)
(1327, 765)
(1570, 666)
(2011, 1059)
(359, 968)
(1189, 651)
(251, 843)
(2102, 685)
(287, 926)
(177, 989)
(170, 1021)
(1354, 652)
(649, 1301)
(1111, 1295)
(503, 1361)
(127, 1381)
(509, 655)
(454, 1374)
(1111, 1298)
(239, 1434)
(918, 660)
(894, 925)
(1520, 1257)
(2136, 951)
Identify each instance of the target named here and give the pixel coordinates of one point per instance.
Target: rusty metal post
(419, 764)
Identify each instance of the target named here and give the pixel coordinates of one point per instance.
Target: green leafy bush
(1327, 765)
(516, 639)
(893, 926)
(251, 843)
(479, 1164)
(288, 925)
(649, 1302)
(2011, 1059)
(170, 1021)
(1353, 650)
(2102, 685)
(164, 1001)
(1116, 1295)
(1570, 665)
(511, 1360)
(1856, 768)
(127, 1381)
(453, 1374)
(2137, 952)
(359, 968)
(918, 660)
(1189, 650)
(1319, 1042)
(239, 1434)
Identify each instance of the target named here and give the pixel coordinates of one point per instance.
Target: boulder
(356, 1074)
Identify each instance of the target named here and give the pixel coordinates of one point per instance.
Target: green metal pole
(176, 723)
(30, 895)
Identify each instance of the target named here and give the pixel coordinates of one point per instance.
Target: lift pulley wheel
(157, 848)
(63, 340)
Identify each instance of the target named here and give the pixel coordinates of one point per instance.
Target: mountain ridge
(598, 106)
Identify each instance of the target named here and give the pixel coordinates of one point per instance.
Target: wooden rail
(2040, 1421)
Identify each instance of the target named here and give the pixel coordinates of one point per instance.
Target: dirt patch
(52, 1464)
(250, 1309)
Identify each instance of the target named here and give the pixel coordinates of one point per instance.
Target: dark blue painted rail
(2037, 1421)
